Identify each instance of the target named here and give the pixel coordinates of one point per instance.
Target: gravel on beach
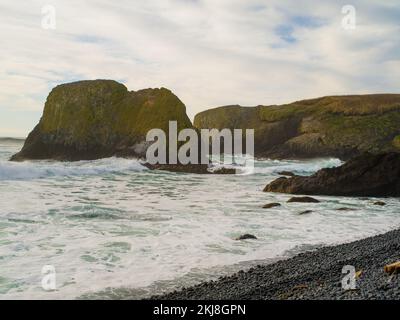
(312, 275)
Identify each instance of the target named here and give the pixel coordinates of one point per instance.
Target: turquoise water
(112, 228)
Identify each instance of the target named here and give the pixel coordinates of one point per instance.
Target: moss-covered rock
(396, 142)
(340, 126)
(100, 118)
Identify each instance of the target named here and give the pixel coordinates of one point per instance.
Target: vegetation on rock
(340, 126)
(94, 119)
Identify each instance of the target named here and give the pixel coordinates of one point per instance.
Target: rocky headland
(333, 126)
(94, 119)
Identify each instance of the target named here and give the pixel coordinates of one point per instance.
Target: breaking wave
(303, 167)
(45, 169)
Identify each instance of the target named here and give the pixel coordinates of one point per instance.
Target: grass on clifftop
(104, 111)
(343, 105)
(396, 142)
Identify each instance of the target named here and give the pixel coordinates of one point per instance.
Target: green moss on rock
(341, 126)
(396, 142)
(92, 119)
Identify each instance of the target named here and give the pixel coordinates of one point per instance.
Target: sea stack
(94, 119)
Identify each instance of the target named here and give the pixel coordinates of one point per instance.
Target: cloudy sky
(208, 52)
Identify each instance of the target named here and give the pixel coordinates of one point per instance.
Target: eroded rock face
(94, 119)
(335, 126)
(366, 175)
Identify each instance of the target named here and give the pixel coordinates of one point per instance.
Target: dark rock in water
(286, 173)
(368, 175)
(345, 209)
(305, 212)
(88, 120)
(271, 205)
(379, 203)
(224, 171)
(189, 168)
(303, 199)
(246, 236)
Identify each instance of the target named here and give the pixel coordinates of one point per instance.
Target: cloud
(208, 52)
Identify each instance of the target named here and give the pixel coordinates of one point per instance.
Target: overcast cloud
(208, 52)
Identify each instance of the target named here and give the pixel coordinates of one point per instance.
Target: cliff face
(338, 126)
(100, 118)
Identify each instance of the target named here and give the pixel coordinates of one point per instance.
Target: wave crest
(45, 169)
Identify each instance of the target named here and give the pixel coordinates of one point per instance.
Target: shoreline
(310, 275)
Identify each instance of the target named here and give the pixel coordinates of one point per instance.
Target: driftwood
(392, 268)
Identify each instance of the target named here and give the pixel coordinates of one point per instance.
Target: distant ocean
(112, 228)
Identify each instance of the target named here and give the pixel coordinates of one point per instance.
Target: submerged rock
(271, 205)
(379, 203)
(305, 212)
(88, 120)
(368, 175)
(246, 236)
(345, 209)
(224, 171)
(303, 199)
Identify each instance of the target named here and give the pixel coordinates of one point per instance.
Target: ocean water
(113, 229)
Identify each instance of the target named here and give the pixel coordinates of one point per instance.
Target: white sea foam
(271, 167)
(44, 169)
(304, 167)
(112, 223)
